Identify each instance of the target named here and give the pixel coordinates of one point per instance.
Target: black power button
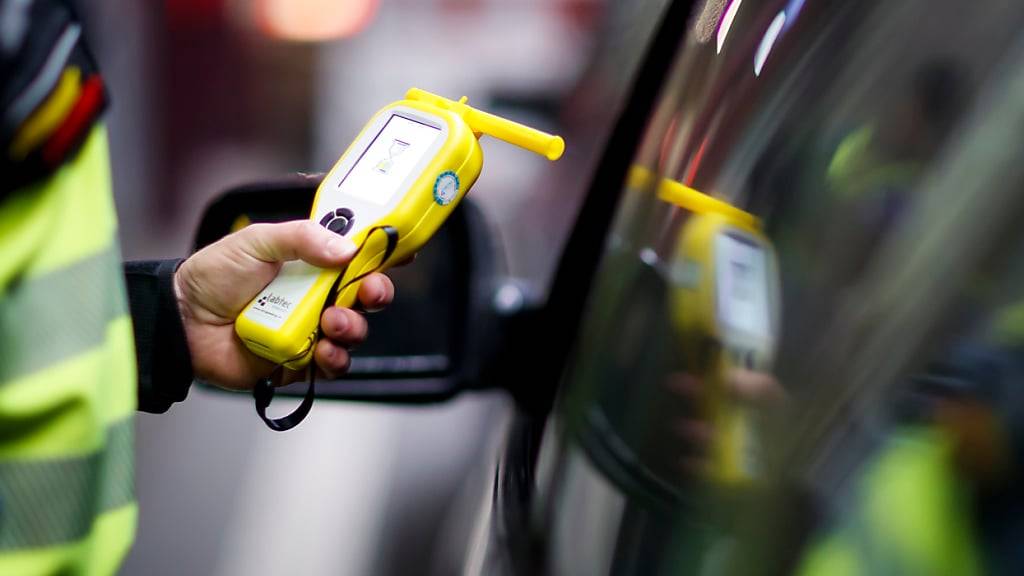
(340, 221)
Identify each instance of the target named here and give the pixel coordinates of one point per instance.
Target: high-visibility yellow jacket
(67, 375)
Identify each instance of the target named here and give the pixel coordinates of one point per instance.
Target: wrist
(186, 315)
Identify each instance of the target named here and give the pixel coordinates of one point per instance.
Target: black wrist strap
(263, 391)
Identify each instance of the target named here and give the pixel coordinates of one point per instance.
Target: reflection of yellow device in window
(725, 305)
(390, 192)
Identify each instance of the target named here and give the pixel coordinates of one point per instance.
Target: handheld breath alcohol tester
(389, 192)
(725, 306)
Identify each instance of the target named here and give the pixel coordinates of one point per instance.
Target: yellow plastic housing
(416, 217)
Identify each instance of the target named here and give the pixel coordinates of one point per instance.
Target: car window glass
(874, 281)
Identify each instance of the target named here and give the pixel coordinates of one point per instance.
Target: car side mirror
(425, 346)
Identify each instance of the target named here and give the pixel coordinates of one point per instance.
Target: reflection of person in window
(876, 166)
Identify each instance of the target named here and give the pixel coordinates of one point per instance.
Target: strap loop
(263, 391)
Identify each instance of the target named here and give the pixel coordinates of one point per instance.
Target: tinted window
(755, 360)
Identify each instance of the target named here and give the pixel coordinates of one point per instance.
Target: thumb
(296, 240)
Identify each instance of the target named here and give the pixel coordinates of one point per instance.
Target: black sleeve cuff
(161, 348)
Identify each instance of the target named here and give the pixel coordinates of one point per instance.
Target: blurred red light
(314, 20)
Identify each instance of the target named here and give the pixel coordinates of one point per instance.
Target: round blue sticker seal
(446, 187)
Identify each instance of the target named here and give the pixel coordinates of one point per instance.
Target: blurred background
(209, 94)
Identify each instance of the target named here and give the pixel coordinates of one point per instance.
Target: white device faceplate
(356, 184)
(278, 300)
(745, 294)
(370, 181)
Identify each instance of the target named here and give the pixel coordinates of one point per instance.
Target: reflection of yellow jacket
(910, 514)
(67, 375)
(857, 170)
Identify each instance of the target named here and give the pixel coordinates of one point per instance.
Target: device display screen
(389, 159)
(742, 279)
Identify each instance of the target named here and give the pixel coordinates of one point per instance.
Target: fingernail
(340, 324)
(340, 248)
(377, 306)
(379, 301)
(328, 372)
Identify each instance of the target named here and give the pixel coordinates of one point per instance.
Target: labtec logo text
(275, 300)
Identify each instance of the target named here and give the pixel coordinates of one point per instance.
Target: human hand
(215, 284)
(690, 429)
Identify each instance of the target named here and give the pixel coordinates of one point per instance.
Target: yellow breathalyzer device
(725, 305)
(389, 192)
